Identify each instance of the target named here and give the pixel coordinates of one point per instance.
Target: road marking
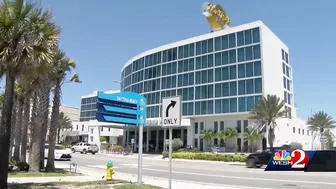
(100, 166)
(246, 178)
(134, 165)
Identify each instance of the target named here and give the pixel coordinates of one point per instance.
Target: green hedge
(210, 156)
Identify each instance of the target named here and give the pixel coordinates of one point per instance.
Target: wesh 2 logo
(283, 160)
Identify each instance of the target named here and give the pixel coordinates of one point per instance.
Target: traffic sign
(171, 111)
(323, 139)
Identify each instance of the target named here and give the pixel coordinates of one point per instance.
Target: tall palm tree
(208, 135)
(321, 124)
(64, 123)
(227, 134)
(27, 36)
(62, 65)
(19, 90)
(268, 110)
(252, 136)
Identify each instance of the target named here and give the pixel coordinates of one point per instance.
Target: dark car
(261, 158)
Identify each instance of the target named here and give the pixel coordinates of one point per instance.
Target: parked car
(60, 152)
(85, 148)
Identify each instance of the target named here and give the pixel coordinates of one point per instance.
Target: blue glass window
(185, 65)
(232, 56)
(218, 59)
(218, 90)
(256, 35)
(191, 49)
(249, 103)
(241, 70)
(285, 96)
(210, 107)
(233, 74)
(225, 105)
(233, 105)
(233, 88)
(225, 73)
(204, 46)
(197, 108)
(173, 81)
(210, 60)
(210, 75)
(287, 71)
(174, 68)
(284, 82)
(241, 87)
(248, 37)
(190, 108)
(241, 55)
(198, 77)
(218, 44)
(257, 68)
(257, 99)
(225, 89)
(218, 74)
(288, 85)
(191, 64)
(204, 61)
(180, 66)
(198, 48)
(249, 69)
(289, 98)
(283, 54)
(225, 57)
(225, 42)
(204, 107)
(240, 38)
(218, 107)
(248, 53)
(180, 52)
(198, 63)
(258, 85)
(210, 45)
(191, 78)
(197, 93)
(204, 76)
(232, 40)
(249, 86)
(256, 52)
(191, 93)
(186, 51)
(242, 104)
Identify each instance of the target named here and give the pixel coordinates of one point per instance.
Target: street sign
(132, 140)
(323, 139)
(171, 111)
(167, 141)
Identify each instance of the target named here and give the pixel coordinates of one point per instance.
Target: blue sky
(102, 35)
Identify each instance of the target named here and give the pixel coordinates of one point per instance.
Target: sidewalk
(159, 157)
(96, 175)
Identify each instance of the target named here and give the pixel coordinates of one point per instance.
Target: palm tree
(268, 110)
(19, 93)
(61, 67)
(208, 135)
(64, 123)
(252, 136)
(227, 134)
(26, 38)
(321, 124)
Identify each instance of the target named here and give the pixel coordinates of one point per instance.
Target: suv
(85, 148)
(262, 157)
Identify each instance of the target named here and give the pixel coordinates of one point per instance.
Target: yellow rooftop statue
(216, 15)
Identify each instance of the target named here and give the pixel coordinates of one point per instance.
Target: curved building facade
(220, 76)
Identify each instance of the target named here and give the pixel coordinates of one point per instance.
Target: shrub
(193, 150)
(22, 166)
(102, 139)
(165, 154)
(177, 144)
(210, 156)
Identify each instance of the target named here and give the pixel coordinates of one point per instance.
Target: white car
(60, 152)
(85, 148)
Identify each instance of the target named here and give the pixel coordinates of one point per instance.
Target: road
(211, 172)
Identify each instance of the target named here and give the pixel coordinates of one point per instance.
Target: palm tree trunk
(5, 128)
(58, 134)
(12, 135)
(37, 123)
(31, 125)
(46, 94)
(53, 128)
(271, 137)
(18, 131)
(26, 114)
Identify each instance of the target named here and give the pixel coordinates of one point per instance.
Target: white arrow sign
(171, 111)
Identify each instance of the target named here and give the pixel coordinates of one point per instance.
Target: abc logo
(298, 159)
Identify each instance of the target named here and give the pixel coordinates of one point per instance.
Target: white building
(220, 76)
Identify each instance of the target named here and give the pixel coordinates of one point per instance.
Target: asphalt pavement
(214, 173)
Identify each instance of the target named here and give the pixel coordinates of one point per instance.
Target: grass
(135, 186)
(56, 185)
(58, 173)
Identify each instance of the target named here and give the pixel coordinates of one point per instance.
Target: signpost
(171, 117)
(125, 108)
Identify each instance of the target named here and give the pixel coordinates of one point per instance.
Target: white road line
(246, 178)
(100, 166)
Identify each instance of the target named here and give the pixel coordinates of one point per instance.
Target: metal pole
(140, 154)
(127, 137)
(170, 156)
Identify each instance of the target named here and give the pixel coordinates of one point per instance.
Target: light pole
(127, 133)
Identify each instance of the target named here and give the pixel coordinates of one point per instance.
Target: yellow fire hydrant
(109, 171)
